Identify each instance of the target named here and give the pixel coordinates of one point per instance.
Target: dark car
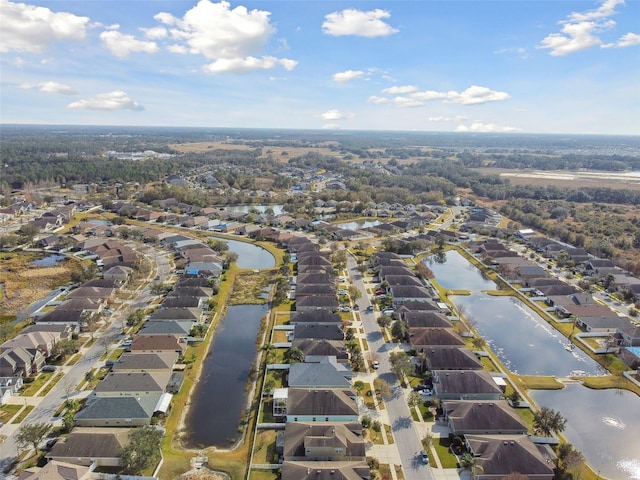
(424, 458)
(419, 388)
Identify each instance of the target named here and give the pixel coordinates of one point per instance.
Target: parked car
(375, 364)
(424, 458)
(49, 368)
(419, 388)
(50, 443)
(345, 308)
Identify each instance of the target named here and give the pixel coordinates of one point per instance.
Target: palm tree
(546, 421)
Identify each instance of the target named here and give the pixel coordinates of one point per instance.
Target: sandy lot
(567, 179)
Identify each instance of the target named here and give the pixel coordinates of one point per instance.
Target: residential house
(145, 362)
(450, 358)
(319, 331)
(327, 373)
(125, 411)
(315, 317)
(474, 417)
(336, 470)
(323, 442)
(402, 294)
(630, 335)
(176, 314)
(33, 342)
(321, 405)
(423, 338)
(157, 343)
(19, 362)
(55, 470)
(304, 290)
(316, 302)
(403, 280)
(132, 384)
(465, 385)
(118, 273)
(311, 346)
(167, 327)
(428, 319)
(500, 455)
(85, 446)
(9, 386)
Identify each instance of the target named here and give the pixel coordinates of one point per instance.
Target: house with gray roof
(145, 362)
(425, 319)
(319, 331)
(319, 316)
(465, 385)
(167, 327)
(315, 347)
(338, 470)
(85, 445)
(423, 338)
(323, 374)
(482, 417)
(321, 405)
(136, 384)
(323, 441)
(451, 358)
(305, 289)
(316, 302)
(500, 455)
(55, 470)
(403, 280)
(409, 293)
(127, 411)
(177, 314)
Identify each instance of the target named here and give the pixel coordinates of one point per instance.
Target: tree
(354, 292)
(64, 348)
(158, 288)
(414, 400)
(294, 355)
(384, 321)
(32, 434)
(547, 420)
(143, 450)
(68, 420)
(399, 331)
(400, 364)
(381, 387)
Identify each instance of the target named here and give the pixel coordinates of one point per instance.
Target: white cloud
(331, 126)
(359, 23)
(248, 64)
(401, 90)
(232, 38)
(116, 100)
(607, 9)
(475, 95)
(155, 33)
(379, 100)
(347, 76)
(430, 95)
(217, 31)
(18, 62)
(486, 128)
(627, 40)
(50, 87)
(122, 45)
(457, 118)
(28, 28)
(407, 102)
(336, 115)
(519, 51)
(581, 30)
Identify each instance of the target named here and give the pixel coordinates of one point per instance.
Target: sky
(547, 66)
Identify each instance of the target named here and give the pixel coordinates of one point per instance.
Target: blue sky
(468, 66)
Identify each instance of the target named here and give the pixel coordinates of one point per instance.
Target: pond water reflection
(453, 271)
(277, 209)
(250, 255)
(220, 395)
(602, 424)
(48, 261)
(524, 342)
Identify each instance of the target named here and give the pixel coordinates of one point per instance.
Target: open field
(570, 179)
(282, 154)
(24, 283)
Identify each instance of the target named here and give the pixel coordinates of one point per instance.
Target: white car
(375, 364)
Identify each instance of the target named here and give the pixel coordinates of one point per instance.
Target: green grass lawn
(265, 447)
(8, 411)
(447, 459)
(30, 389)
(23, 414)
(264, 475)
